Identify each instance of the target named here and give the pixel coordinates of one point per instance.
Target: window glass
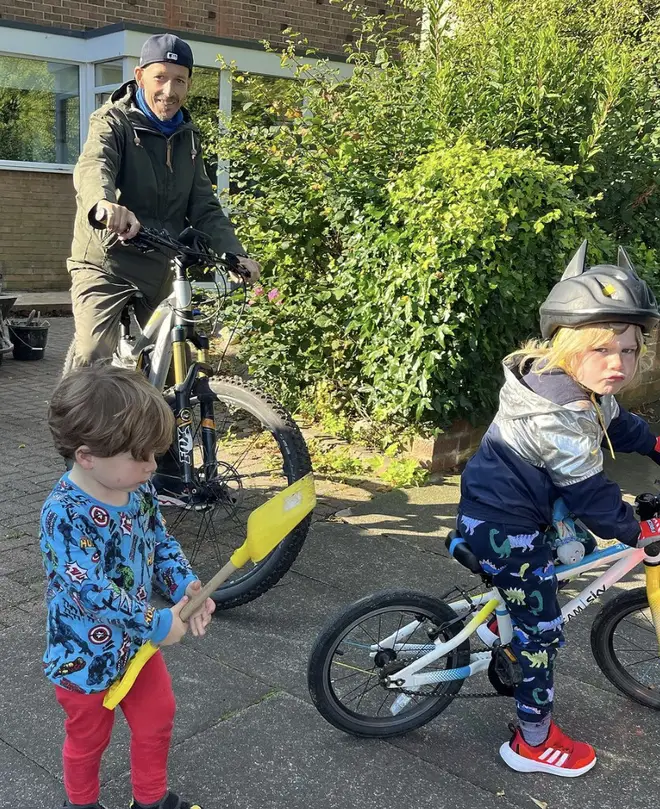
(39, 111)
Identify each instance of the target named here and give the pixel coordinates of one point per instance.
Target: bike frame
(622, 559)
(168, 330)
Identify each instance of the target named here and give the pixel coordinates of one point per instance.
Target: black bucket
(29, 341)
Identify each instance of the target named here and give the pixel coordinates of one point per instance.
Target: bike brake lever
(233, 264)
(139, 244)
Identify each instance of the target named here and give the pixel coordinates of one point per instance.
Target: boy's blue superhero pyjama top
(100, 561)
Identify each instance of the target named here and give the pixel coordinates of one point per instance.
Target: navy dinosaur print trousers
(522, 568)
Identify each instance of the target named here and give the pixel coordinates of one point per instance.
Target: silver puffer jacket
(564, 439)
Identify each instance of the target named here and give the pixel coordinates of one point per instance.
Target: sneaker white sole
(521, 764)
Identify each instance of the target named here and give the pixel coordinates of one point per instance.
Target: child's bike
(392, 661)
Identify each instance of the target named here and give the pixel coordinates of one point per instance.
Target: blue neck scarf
(166, 127)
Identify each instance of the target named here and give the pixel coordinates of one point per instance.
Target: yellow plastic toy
(266, 528)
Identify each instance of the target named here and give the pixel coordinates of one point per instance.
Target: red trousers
(149, 710)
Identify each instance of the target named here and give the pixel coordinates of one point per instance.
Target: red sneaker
(558, 755)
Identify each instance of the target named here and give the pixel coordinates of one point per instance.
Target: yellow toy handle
(119, 689)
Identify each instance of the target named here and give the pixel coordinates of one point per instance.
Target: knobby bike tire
(296, 464)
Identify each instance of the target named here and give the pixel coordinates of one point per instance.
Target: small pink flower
(274, 293)
(258, 291)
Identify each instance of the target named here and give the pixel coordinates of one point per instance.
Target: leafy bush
(410, 218)
(441, 278)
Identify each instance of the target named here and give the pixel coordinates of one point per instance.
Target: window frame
(112, 43)
(31, 165)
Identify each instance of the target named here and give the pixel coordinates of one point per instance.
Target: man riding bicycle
(141, 165)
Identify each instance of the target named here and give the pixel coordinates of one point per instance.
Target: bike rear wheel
(260, 450)
(624, 643)
(347, 666)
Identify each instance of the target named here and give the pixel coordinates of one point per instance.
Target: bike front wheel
(625, 645)
(259, 450)
(348, 664)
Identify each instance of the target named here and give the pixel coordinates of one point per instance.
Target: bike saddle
(460, 550)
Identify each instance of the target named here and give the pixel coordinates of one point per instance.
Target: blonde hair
(109, 410)
(564, 349)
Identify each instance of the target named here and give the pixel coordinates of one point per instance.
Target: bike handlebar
(191, 248)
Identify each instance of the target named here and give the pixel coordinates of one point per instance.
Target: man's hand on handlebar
(249, 270)
(117, 219)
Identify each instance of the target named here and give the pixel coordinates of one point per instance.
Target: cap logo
(173, 56)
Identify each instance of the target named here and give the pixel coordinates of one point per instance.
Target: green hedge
(410, 219)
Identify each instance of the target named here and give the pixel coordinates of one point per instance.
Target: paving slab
(26, 785)
(246, 734)
(280, 753)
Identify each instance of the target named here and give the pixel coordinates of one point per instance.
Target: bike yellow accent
(653, 595)
(208, 423)
(482, 615)
(179, 357)
(267, 526)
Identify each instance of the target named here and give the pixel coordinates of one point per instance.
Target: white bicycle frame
(622, 559)
(158, 333)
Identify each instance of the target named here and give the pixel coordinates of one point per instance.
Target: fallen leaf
(21, 446)
(540, 804)
(500, 794)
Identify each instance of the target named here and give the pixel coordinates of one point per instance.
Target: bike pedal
(506, 667)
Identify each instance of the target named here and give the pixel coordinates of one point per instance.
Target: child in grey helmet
(557, 407)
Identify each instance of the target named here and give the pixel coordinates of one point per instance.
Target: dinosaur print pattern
(101, 564)
(515, 594)
(469, 524)
(521, 571)
(537, 659)
(520, 563)
(490, 569)
(523, 542)
(545, 573)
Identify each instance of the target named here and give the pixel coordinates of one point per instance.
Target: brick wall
(326, 25)
(36, 223)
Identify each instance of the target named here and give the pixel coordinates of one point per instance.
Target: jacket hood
(519, 401)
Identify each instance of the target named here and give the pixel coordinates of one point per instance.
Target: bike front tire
(260, 450)
(625, 646)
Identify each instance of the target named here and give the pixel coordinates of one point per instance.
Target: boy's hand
(179, 627)
(200, 619)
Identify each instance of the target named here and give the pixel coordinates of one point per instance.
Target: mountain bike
(391, 662)
(234, 445)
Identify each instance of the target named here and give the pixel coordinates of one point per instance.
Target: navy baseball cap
(166, 48)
